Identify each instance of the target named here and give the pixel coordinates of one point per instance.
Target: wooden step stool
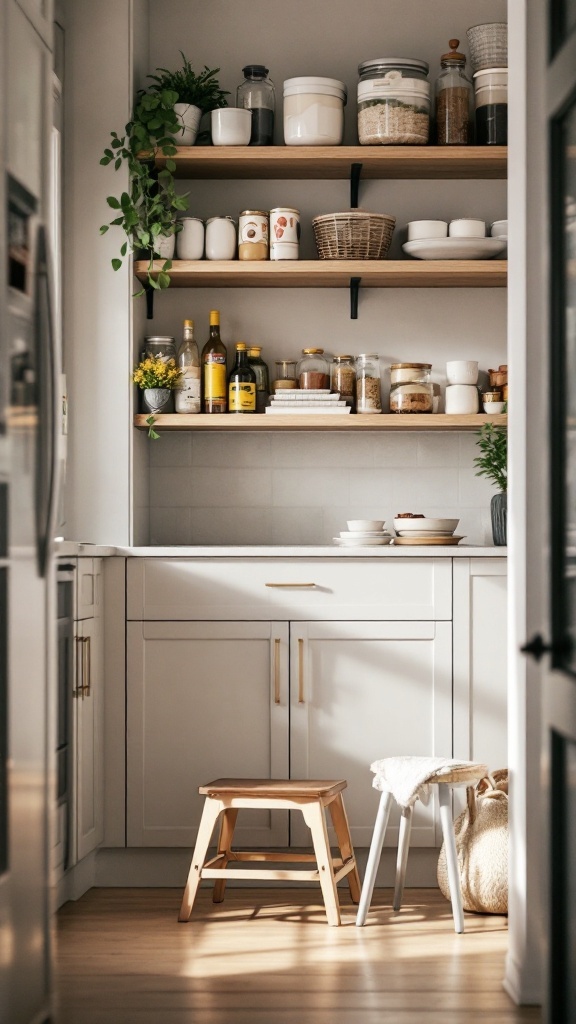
(227, 796)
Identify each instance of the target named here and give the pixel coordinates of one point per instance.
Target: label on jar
(215, 377)
(253, 236)
(241, 396)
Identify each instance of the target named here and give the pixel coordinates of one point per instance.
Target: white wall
(301, 488)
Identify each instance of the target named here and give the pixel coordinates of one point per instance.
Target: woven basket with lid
(353, 236)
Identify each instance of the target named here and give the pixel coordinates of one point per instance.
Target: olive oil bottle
(214, 369)
(242, 383)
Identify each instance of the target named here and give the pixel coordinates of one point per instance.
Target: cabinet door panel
(89, 737)
(367, 690)
(28, 98)
(202, 704)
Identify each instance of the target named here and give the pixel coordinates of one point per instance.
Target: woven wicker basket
(488, 45)
(353, 236)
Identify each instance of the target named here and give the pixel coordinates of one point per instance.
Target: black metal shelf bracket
(355, 174)
(149, 301)
(354, 289)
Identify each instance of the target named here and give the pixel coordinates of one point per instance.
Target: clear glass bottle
(262, 379)
(368, 383)
(214, 388)
(343, 379)
(241, 383)
(257, 95)
(410, 387)
(312, 370)
(454, 100)
(285, 376)
(187, 396)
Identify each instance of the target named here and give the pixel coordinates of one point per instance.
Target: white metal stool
(468, 775)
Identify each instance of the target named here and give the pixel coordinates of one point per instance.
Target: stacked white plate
(426, 531)
(363, 533)
(295, 402)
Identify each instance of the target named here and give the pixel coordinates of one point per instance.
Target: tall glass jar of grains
(410, 387)
(368, 383)
(343, 379)
(454, 100)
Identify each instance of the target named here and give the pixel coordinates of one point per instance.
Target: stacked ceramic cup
(461, 390)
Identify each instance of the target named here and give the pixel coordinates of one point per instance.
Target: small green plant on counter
(156, 372)
(493, 460)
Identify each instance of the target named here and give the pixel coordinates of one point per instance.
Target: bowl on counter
(365, 525)
(425, 525)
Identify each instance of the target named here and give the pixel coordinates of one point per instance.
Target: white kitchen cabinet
(362, 691)
(205, 700)
(39, 13)
(28, 101)
(480, 660)
(89, 708)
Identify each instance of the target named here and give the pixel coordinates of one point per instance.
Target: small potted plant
(157, 377)
(197, 94)
(492, 463)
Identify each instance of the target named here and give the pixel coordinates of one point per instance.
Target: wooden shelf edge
(260, 422)
(334, 162)
(332, 273)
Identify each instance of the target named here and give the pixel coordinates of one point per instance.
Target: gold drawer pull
(300, 586)
(300, 671)
(277, 671)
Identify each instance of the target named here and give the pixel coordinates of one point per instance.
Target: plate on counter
(347, 534)
(425, 533)
(427, 540)
(455, 248)
(362, 542)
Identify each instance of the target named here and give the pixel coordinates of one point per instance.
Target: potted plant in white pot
(493, 463)
(147, 212)
(197, 94)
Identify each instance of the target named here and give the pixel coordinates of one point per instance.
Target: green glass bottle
(242, 383)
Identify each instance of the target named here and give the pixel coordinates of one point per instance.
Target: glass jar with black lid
(256, 94)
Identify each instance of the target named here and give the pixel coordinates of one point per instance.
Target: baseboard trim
(77, 880)
(523, 991)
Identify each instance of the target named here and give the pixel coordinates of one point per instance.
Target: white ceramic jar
(190, 240)
(314, 111)
(220, 238)
(164, 246)
(462, 371)
(461, 399)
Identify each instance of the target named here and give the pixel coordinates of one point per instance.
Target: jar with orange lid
(312, 370)
(411, 387)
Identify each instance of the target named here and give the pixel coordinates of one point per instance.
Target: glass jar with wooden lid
(312, 370)
(411, 387)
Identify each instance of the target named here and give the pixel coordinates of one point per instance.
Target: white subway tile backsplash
(474, 491)
(416, 489)
(438, 450)
(171, 487)
(311, 451)
(231, 526)
(170, 526)
(298, 526)
(395, 449)
(223, 450)
(293, 488)
(172, 448)
(214, 487)
(370, 487)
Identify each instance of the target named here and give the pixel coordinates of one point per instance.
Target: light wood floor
(267, 957)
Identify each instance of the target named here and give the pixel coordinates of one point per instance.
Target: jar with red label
(312, 370)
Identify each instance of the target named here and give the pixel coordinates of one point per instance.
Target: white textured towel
(406, 777)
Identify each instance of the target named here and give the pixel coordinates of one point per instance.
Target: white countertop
(71, 549)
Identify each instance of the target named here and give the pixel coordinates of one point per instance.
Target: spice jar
(285, 376)
(312, 370)
(253, 235)
(410, 387)
(393, 102)
(343, 379)
(368, 383)
(454, 100)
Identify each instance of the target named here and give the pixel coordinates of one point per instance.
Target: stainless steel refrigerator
(28, 501)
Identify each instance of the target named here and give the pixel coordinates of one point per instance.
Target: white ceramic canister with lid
(284, 233)
(190, 240)
(220, 238)
(314, 111)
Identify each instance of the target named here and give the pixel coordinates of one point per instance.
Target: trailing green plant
(201, 90)
(148, 210)
(493, 460)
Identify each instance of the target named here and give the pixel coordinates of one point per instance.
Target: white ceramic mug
(462, 371)
(467, 227)
(231, 126)
(418, 229)
(190, 240)
(461, 399)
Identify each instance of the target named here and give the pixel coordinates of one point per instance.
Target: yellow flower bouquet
(157, 372)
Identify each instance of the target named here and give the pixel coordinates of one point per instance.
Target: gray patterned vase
(498, 511)
(156, 399)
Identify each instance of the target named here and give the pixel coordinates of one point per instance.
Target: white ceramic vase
(189, 118)
(164, 246)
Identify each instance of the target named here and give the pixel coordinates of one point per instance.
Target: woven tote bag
(482, 846)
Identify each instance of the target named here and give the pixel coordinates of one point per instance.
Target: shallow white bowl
(467, 227)
(364, 525)
(462, 371)
(427, 229)
(426, 525)
(494, 407)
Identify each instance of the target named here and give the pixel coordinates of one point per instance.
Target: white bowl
(364, 525)
(467, 227)
(499, 229)
(418, 229)
(231, 126)
(494, 407)
(426, 525)
(462, 371)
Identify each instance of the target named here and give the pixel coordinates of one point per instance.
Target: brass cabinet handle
(277, 670)
(299, 586)
(300, 671)
(78, 691)
(88, 654)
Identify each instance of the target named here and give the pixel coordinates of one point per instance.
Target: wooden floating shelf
(334, 162)
(332, 273)
(260, 422)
